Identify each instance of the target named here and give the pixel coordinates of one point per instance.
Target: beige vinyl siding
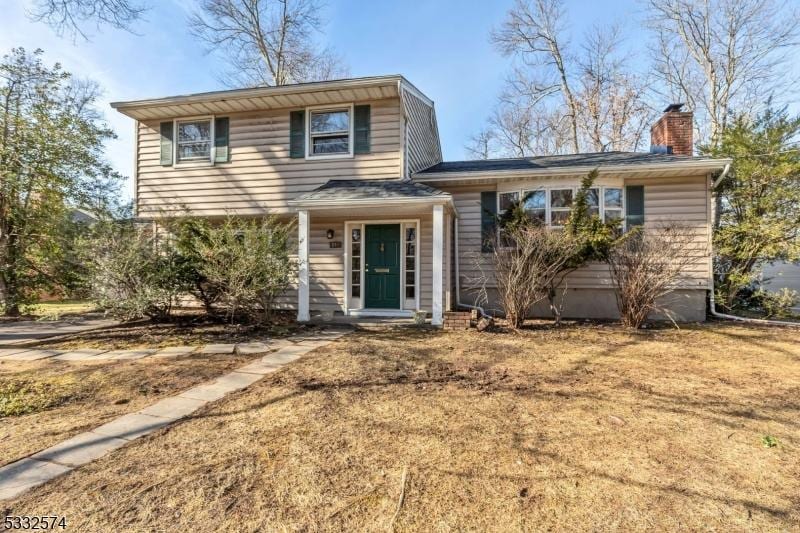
(326, 264)
(261, 177)
(684, 200)
(422, 136)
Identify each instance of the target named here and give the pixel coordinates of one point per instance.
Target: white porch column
(438, 263)
(304, 221)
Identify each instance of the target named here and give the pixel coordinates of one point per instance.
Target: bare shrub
(646, 266)
(526, 261)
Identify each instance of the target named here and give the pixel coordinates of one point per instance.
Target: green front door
(382, 266)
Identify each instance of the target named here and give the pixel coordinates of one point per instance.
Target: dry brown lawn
(580, 428)
(61, 399)
(187, 328)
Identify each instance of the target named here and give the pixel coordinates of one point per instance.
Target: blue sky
(441, 46)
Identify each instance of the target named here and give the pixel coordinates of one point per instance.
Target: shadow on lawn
(654, 487)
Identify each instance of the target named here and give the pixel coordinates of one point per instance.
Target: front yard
(584, 427)
(45, 402)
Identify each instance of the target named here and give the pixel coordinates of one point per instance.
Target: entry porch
(374, 248)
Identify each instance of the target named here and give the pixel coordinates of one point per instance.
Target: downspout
(459, 303)
(712, 300)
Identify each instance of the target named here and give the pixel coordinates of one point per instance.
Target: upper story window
(330, 132)
(194, 140)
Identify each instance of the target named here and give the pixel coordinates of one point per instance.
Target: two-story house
(385, 226)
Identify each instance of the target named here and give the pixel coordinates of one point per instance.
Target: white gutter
(459, 303)
(721, 176)
(763, 321)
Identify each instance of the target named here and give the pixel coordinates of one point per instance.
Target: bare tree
(268, 42)
(481, 145)
(533, 32)
(717, 55)
(565, 99)
(67, 16)
(646, 266)
(613, 112)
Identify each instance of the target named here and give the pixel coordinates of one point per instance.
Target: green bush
(246, 263)
(774, 303)
(135, 272)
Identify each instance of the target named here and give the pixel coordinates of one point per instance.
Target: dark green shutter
(634, 206)
(361, 129)
(297, 134)
(167, 133)
(221, 150)
(488, 214)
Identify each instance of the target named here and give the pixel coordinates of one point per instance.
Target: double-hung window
(560, 205)
(612, 204)
(535, 204)
(507, 201)
(194, 140)
(329, 132)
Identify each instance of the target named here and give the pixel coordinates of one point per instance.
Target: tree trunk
(9, 298)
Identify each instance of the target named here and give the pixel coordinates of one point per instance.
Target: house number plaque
(335, 244)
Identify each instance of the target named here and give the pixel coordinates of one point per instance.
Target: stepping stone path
(91, 354)
(19, 476)
(175, 351)
(218, 349)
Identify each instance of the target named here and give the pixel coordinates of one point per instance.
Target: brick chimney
(672, 134)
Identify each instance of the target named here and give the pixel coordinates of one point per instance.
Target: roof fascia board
(259, 92)
(708, 165)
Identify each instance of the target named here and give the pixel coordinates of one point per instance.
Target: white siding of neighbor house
(782, 275)
(261, 177)
(684, 200)
(422, 136)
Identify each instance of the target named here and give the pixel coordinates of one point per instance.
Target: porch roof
(361, 192)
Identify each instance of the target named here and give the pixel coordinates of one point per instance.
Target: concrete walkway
(27, 331)
(17, 477)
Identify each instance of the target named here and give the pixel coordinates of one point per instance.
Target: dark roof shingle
(370, 190)
(597, 159)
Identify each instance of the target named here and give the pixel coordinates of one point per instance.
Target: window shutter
(221, 150)
(297, 134)
(634, 205)
(361, 123)
(167, 134)
(488, 214)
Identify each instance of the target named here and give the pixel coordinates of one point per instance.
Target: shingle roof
(335, 190)
(597, 159)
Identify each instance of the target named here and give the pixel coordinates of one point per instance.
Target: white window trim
(348, 265)
(307, 132)
(548, 207)
(194, 162)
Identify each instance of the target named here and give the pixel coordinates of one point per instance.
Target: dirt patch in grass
(187, 329)
(583, 427)
(43, 403)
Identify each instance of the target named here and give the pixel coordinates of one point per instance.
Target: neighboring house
(782, 275)
(384, 224)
